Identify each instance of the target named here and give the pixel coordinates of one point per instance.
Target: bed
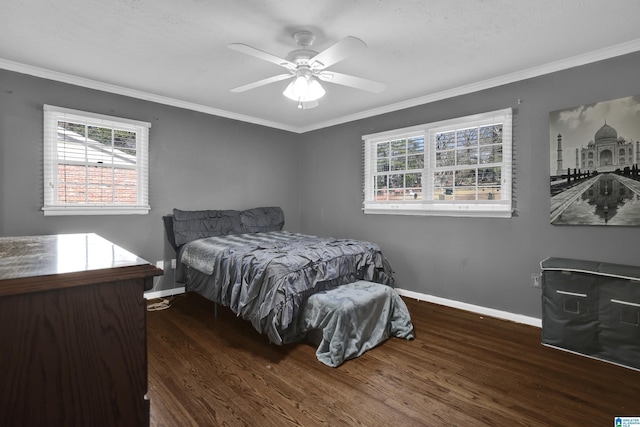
(290, 286)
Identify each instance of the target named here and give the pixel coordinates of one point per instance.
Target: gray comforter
(265, 277)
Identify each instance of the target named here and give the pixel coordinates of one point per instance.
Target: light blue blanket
(348, 320)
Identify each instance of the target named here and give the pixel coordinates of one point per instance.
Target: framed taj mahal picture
(594, 163)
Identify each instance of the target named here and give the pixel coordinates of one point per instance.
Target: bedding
(346, 321)
(192, 225)
(265, 277)
(290, 286)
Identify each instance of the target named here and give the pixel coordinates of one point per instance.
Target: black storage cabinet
(592, 308)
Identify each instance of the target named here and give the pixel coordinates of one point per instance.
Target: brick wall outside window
(102, 183)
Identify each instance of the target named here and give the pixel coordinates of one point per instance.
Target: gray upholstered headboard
(185, 226)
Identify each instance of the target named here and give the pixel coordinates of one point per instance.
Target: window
(457, 167)
(94, 164)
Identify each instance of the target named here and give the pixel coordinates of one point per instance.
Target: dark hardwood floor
(461, 370)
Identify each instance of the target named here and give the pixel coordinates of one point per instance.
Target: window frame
(52, 206)
(497, 208)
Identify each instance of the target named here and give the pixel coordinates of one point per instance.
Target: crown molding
(552, 67)
(133, 93)
(563, 64)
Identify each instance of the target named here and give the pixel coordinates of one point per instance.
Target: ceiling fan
(307, 66)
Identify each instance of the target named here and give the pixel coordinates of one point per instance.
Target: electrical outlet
(173, 263)
(536, 280)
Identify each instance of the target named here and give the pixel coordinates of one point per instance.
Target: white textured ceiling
(175, 51)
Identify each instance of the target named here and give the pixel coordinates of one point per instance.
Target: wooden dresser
(73, 343)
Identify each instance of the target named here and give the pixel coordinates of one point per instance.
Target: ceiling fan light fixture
(316, 91)
(304, 89)
(300, 87)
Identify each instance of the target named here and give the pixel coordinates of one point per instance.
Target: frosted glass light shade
(304, 89)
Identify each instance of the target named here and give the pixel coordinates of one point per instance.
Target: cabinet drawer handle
(571, 304)
(629, 316)
(574, 294)
(633, 304)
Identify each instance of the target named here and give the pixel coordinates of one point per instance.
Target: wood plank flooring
(461, 370)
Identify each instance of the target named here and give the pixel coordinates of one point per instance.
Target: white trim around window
(456, 167)
(94, 164)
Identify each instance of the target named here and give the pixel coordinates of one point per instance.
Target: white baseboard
(518, 318)
(164, 293)
(505, 315)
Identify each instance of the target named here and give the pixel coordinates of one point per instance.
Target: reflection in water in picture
(607, 202)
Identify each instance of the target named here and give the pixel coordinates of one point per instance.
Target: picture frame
(594, 158)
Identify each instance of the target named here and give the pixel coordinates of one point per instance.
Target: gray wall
(197, 161)
(481, 261)
(203, 161)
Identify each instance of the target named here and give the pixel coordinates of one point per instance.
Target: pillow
(193, 225)
(260, 220)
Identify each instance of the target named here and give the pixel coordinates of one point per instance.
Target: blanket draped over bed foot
(346, 321)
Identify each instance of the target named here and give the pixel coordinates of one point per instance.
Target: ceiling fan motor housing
(301, 57)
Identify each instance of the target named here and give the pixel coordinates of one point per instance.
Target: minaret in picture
(559, 170)
(577, 161)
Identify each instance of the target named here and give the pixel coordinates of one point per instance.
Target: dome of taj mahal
(606, 132)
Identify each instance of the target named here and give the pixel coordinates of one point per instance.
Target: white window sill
(478, 211)
(95, 210)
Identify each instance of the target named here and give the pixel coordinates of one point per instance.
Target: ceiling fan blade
(343, 49)
(262, 82)
(352, 81)
(249, 50)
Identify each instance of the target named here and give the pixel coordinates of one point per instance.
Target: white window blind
(457, 167)
(94, 164)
